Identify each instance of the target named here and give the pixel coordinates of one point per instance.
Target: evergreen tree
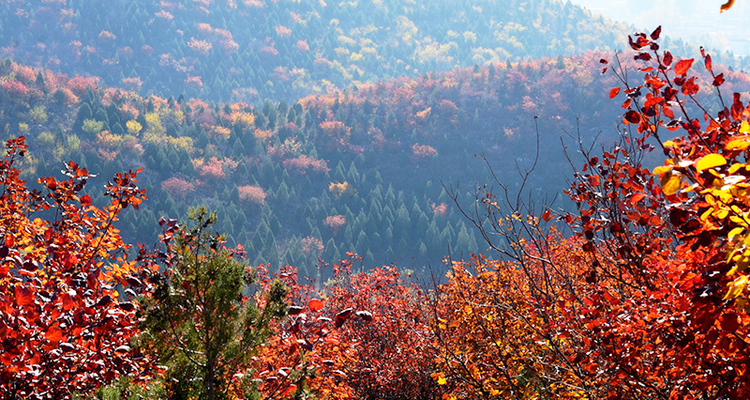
(199, 322)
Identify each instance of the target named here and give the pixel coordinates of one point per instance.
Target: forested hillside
(256, 50)
(360, 170)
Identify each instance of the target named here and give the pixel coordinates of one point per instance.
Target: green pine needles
(204, 319)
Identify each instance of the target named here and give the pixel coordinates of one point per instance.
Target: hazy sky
(697, 21)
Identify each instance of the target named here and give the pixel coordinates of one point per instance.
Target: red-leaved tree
(66, 316)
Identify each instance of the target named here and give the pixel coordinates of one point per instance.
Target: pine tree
(199, 321)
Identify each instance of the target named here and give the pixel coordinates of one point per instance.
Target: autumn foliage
(639, 290)
(66, 288)
(648, 298)
(362, 335)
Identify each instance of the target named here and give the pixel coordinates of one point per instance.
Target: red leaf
(709, 64)
(93, 281)
(719, 80)
(682, 66)
(24, 296)
(10, 241)
(655, 34)
(667, 58)
(730, 322)
(614, 92)
(55, 334)
(104, 301)
(290, 390)
(633, 117)
(636, 198)
(546, 215)
(122, 349)
(345, 313)
(85, 200)
(668, 112)
(315, 305)
(726, 6)
(342, 316)
(305, 344)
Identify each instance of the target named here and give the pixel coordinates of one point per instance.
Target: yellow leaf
(737, 220)
(736, 231)
(744, 127)
(737, 144)
(736, 288)
(441, 380)
(662, 169)
(670, 184)
(710, 161)
(735, 167)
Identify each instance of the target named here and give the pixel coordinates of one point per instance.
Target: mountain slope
(259, 49)
(357, 170)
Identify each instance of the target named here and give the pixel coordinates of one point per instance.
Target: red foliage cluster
(177, 187)
(421, 153)
(303, 163)
(648, 299)
(252, 194)
(66, 290)
(367, 338)
(16, 89)
(213, 170)
(335, 222)
(79, 84)
(302, 45)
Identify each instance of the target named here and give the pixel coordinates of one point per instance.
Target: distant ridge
(254, 50)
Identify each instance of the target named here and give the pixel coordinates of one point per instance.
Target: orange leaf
(726, 6)
(614, 92)
(315, 305)
(54, 334)
(682, 66)
(636, 198)
(331, 340)
(24, 296)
